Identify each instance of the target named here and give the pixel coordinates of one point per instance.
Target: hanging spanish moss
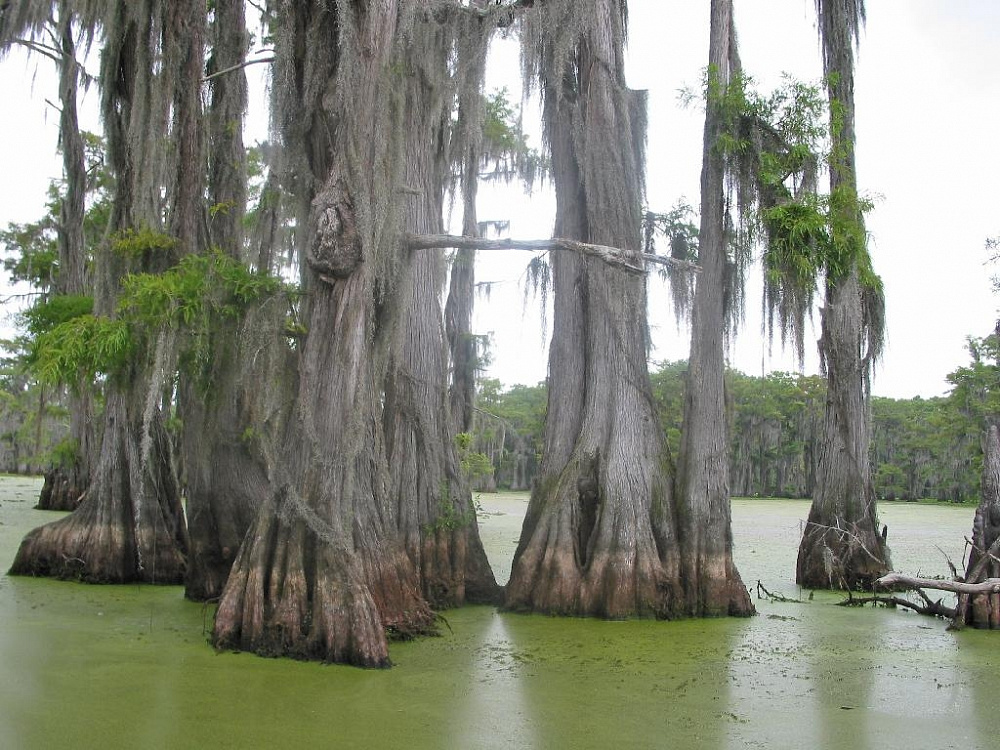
(322, 573)
(599, 534)
(841, 546)
(436, 516)
(130, 524)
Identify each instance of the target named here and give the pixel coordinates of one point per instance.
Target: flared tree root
(298, 592)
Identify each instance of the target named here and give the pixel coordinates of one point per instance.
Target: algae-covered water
(129, 667)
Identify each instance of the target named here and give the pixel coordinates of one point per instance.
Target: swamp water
(129, 667)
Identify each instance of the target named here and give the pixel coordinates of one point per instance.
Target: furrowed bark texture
(65, 485)
(983, 611)
(225, 481)
(437, 519)
(841, 546)
(712, 585)
(130, 524)
(227, 178)
(322, 574)
(598, 537)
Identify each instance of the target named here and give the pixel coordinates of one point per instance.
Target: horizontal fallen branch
(611, 255)
(988, 586)
(929, 607)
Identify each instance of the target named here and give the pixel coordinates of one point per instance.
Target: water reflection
(84, 666)
(598, 684)
(494, 711)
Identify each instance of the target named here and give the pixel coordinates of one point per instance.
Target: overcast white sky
(928, 105)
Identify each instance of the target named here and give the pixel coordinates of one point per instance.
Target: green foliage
(200, 285)
(66, 453)
(976, 387)
(677, 227)
(508, 432)
(448, 517)
(500, 124)
(797, 231)
(31, 252)
(82, 348)
(70, 343)
(141, 244)
(921, 448)
(49, 312)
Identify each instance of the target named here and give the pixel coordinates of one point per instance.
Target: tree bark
(65, 485)
(462, 285)
(130, 524)
(983, 568)
(598, 537)
(841, 546)
(437, 520)
(712, 585)
(225, 479)
(322, 574)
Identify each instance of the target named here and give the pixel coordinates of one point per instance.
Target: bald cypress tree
(841, 546)
(712, 585)
(130, 524)
(599, 537)
(66, 24)
(436, 516)
(322, 573)
(224, 472)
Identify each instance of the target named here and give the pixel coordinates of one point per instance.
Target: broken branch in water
(774, 597)
(988, 586)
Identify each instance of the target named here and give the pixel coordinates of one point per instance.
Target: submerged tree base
(130, 525)
(297, 593)
(85, 547)
(63, 489)
(841, 557)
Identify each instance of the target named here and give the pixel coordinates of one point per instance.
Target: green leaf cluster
(54, 310)
(82, 347)
(31, 252)
(142, 243)
(193, 291)
(191, 298)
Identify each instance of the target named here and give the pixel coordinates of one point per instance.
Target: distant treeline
(921, 448)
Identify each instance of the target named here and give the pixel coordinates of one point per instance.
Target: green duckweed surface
(129, 667)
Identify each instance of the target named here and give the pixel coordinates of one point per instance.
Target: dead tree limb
(988, 586)
(612, 255)
(238, 66)
(929, 607)
(763, 593)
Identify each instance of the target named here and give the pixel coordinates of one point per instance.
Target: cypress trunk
(225, 481)
(841, 546)
(983, 610)
(712, 585)
(65, 485)
(322, 573)
(598, 537)
(130, 524)
(437, 519)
